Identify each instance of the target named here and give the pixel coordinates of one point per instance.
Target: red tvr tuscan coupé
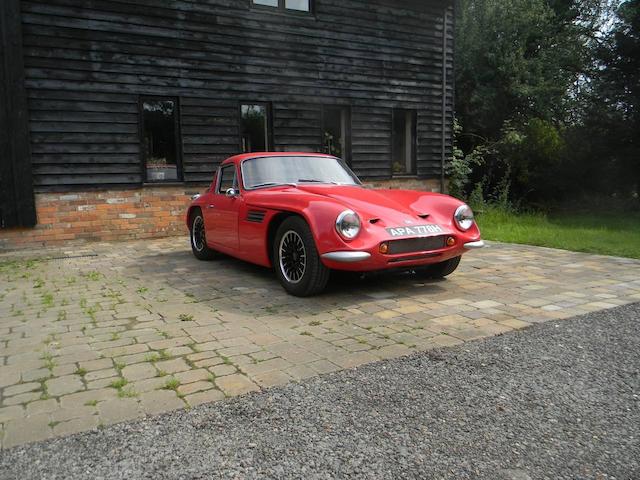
(306, 214)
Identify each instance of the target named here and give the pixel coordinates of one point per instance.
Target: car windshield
(268, 171)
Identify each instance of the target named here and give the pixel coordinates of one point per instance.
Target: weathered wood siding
(88, 61)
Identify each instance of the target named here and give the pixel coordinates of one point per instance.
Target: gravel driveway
(558, 400)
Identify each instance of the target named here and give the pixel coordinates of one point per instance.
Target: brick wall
(156, 211)
(149, 212)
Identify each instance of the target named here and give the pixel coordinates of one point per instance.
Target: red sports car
(307, 214)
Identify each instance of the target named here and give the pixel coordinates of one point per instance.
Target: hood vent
(256, 216)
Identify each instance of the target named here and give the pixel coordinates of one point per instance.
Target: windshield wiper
(306, 180)
(272, 184)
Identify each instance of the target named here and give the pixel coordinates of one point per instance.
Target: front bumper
(363, 260)
(347, 257)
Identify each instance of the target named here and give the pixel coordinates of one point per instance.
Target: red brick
(62, 217)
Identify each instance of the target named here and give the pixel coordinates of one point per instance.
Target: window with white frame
(304, 6)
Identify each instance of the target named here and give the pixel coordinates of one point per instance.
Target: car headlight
(463, 217)
(348, 224)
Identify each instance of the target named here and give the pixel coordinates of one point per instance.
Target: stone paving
(105, 333)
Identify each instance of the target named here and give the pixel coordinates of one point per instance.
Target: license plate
(415, 230)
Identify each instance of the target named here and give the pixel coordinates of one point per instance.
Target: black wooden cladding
(17, 206)
(87, 63)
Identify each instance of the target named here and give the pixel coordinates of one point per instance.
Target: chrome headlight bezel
(348, 225)
(463, 217)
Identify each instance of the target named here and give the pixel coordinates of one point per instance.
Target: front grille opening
(420, 256)
(424, 244)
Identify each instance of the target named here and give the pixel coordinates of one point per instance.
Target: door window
(227, 179)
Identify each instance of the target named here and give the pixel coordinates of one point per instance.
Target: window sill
(174, 183)
(407, 176)
(283, 13)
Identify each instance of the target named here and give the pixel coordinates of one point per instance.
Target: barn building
(114, 112)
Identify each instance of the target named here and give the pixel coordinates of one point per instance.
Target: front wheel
(440, 270)
(198, 238)
(296, 260)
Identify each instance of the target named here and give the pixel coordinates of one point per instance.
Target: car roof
(246, 156)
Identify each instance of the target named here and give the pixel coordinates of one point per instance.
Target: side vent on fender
(424, 215)
(256, 216)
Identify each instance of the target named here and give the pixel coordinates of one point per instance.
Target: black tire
(296, 260)
(198, 238)
(440, 270)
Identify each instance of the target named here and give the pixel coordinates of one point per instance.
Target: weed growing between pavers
(330, 332)
(93, 275)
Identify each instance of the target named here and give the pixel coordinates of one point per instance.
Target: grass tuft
(119, 384)
(93, 275)
(171, 384)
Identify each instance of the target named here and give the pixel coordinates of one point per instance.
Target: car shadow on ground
(228, 283)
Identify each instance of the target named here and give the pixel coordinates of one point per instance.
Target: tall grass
(607, 233)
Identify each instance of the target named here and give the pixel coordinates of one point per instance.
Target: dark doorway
(17, 203)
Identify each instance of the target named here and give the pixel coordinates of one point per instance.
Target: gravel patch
(559, 400)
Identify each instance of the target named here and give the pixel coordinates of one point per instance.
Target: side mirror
(231, 192)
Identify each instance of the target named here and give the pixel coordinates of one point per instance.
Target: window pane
(302, 5)
(282, 170)
(159, 140)
(227, 180)
(254, 128)
(404, 140)
(269, 3)
(335, 132)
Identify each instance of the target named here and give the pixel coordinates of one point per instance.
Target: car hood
(392, 207)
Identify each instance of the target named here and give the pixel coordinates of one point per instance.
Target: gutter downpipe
(444, 98)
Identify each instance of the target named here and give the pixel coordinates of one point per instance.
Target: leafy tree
(541, 90)
(616, 108)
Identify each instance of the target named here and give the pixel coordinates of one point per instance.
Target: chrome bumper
(346, 257)
(472, 245)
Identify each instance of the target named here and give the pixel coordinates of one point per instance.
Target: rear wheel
(440, 270)
(296, 260)
(198, 237)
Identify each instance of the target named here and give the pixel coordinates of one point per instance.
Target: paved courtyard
(95, 335)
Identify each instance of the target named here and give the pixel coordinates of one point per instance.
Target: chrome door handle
(211, 206)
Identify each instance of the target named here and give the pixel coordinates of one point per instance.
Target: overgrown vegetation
(547, 101)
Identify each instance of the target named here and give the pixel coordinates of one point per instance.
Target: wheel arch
(192, 210)
(274, 223)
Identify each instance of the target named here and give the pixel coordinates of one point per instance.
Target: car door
(222, 210)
